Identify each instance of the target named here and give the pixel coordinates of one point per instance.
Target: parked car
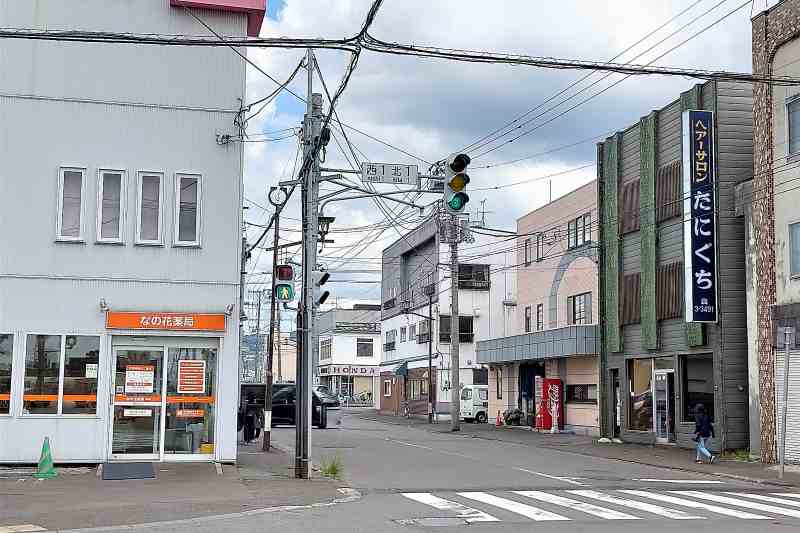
(475, 403)
(284, 404)
(327, 396)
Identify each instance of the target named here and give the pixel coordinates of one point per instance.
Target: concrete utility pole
(455, 336)
(310, 182)
(270, 351)
(430, 359)
(241, 316)
(788, 340)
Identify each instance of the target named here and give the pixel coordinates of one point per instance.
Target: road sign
(389, 173)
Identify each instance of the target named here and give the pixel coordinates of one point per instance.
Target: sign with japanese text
(190, 413)
(389, 173)
(191, 377)
(699, 217)
(165, 321)
(139, 379)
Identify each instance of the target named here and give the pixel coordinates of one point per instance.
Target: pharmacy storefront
(149, 387)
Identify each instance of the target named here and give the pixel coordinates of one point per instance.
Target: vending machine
(550, 394)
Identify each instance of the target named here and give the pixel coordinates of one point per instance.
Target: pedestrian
(703, 430)
(249, 419)
(259, 421)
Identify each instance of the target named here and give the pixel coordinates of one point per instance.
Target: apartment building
(119, 315)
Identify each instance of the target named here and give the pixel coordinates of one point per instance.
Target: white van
(475, 403)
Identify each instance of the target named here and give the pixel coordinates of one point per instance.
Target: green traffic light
(284, 292)
(458, 201)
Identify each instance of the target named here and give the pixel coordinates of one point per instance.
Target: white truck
(475, 403)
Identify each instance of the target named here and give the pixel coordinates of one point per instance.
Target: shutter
(669, 189)
(669, 291)
(793, 414)
(631, 299)
(630, 207)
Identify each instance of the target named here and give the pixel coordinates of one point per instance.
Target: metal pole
(455, 337)
(241, 308)
(271, 350)
(280, 370)
(787, 333)
(259, 343)
(430, 359)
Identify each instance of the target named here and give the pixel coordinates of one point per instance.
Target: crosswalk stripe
(462, 511)
(664, 498)
(602, 512)
(770, 499)
(674, 514)
(741, 503)
(525, 510)
(788, 494)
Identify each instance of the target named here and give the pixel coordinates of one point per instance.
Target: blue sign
(700, 217)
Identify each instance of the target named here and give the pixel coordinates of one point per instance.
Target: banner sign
(165, 321)
(699, 217)
(191, 377)
(139, 379)
(348, 370)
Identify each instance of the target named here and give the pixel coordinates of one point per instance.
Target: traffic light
(284, 284)
(455, 183)
(319, 278)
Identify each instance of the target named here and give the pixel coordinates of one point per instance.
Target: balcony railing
(388, 304)
(474, 284)
(388, 346)
(422, 338)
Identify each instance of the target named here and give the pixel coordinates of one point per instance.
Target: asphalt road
(413, 478)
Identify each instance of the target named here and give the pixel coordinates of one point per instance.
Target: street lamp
(429, 318)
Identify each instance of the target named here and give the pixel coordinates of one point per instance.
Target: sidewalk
(78, 498)
(670, 457)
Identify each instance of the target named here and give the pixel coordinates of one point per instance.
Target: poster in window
(139, 379)
(191, 377)
(700, 217)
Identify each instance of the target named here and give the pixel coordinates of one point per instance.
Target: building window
(387, 388)
(539, 317)
(465, 331)
(579, 231)
(473, 277)
(412, 332)
(391, 337)
(527, 319)
(149, 211)
(539, 246)
(697, 384)
(582, 393)
(364, 347)
(528, 252)
(187, 210)
(418, 389)
(793, 116)
(70, 204)
(66, 362)
(424, 332)
(794, 247)
(6, 360)
(110, 205)
(579, 309)
(403, 334)
(498, 376)
(640, 385)
(325, 348)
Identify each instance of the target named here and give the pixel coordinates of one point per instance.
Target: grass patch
(736, 455)
(332, 467)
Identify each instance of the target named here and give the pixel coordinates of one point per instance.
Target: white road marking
(683, 481)
(769, 499)
(790, 495)
(602, 512)
(570, 480)
(467, 513)
(22, 528)
(666, 512)
(741, 503)
(527, 511)
(664, 498)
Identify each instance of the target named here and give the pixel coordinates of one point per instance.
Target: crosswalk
(566, 505)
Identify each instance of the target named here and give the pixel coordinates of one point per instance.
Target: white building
(119, 304)
(350, 352)
(414, 288)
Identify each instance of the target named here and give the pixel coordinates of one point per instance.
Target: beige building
(554, 337)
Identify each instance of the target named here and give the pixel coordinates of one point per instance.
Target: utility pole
(455, 336)
(270, 351)
(788, 340)
(310, 182)
(241, 316)
(430, 359)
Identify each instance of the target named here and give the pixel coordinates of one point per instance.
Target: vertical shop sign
(699, 217)
(191, 377)
(139, 379)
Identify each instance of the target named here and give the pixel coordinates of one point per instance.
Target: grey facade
(571, 341)
(641, 309)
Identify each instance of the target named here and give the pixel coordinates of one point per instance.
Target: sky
(431, 108)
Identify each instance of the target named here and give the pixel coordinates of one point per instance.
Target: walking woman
(703, 430)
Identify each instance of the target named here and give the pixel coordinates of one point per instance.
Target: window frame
(570, 394)
(326, 348)
(197, 243)
(387, 388)
(138, 230)
(403, 333)
(528, 319)
(539, 247)
(366, 341)
(123, 195)
(794, 270)
(528, 251)
(539, 317)
(498, 378)
(792, 100)
(62, 359)
(681, 382)
(60, 205)
(11, 388)
(571, 309)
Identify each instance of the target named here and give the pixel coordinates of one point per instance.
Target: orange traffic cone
(499, 422)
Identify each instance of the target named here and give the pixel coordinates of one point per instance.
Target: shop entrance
(664, 417)
(164, 403)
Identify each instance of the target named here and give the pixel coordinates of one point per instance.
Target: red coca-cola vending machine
(551, 393)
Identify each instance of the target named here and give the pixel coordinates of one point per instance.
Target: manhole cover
(432, 522)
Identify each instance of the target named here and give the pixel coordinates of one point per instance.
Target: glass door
(138, 404)
(663, 405)
(190, 403)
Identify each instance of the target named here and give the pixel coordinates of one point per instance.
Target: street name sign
(389, 173)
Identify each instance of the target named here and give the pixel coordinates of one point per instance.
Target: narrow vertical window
(527, 252)
(528, 319)
(111, 186)
(6, 361)
(793, 124)
(70, 204)
(794, 248)
(148, 227)
(187, 210)
(539, 317)
(499, 382)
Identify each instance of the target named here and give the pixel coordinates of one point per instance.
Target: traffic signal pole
(455, 336)
(271, 350)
